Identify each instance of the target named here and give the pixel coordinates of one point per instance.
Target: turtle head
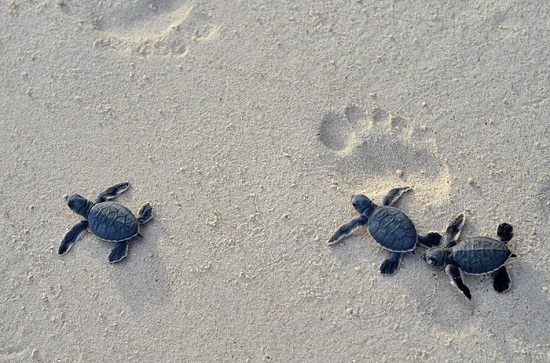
(363, 205)
(79, 204)
(435, 256)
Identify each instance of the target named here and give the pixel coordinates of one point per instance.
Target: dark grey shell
(392, 229)
(112, 222)
(480, 255)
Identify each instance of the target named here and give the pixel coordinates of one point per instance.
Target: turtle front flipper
(391, 264)
(456, 279)
(505, 232)
(393, 195)
(453, 231)
(347, 229)
(112, 192)
(432, 239)
(72, 237)
(119, 252)
(145, 214)
(502, 282)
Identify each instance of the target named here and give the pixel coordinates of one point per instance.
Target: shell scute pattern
(112, 222)
(480, 255)
(392, 229)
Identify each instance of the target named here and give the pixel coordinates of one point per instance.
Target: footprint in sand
(154, 28)
(384, 149)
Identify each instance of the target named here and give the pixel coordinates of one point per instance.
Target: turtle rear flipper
(432, 239)
(456, 279)
(72, 237)
(502, 282)
(347, 229)
(453, 231)
(391, 264)
(393, 195)
(505, 232)
(145, 214)
(112, 192)
(119, 252)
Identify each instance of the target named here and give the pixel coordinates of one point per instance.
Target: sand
(248, 126)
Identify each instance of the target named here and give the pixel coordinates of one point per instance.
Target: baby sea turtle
(108, 221)
(474, 255)
(388, 226)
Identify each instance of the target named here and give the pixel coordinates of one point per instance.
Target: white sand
(248, 127)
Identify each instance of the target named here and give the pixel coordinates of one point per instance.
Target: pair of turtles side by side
(473, 255)
(109, 221)
(388, 226)
(393, 230)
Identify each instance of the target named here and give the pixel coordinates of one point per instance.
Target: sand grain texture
(248, 125)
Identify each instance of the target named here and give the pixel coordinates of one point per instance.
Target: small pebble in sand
(470, 181)
(399, 173)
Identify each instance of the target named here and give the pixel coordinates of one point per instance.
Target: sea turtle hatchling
(474, 255)
(109, 221)
(388, 226)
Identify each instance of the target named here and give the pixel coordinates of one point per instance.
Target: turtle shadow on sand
(378, 145)
(114, 223)
(499, 318)
(545, 197)
(144, 281)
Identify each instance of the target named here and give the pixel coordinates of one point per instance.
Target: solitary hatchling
(388, 226)
(474, 255)
(109, 221)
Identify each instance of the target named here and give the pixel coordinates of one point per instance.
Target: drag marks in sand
(383, 147)
(168, 28)
(18, 353)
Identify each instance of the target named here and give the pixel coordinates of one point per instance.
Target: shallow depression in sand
(379, 145)
(167, 28)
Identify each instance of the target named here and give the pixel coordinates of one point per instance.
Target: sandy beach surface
(248, 125)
